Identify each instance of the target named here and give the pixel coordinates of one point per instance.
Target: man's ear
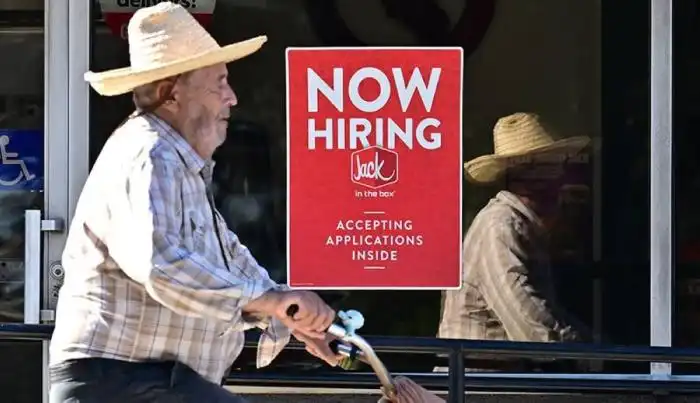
(167, 91)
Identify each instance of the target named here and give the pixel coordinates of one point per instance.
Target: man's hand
(312, 317)
(319, 348)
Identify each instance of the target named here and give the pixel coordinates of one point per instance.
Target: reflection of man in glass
(508, 291)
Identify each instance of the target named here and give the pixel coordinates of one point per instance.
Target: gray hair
(146, 96)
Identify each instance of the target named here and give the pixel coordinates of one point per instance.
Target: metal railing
(456, 382)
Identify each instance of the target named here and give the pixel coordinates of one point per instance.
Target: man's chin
(222, 136)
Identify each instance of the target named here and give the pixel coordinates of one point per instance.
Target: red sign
(117, 13)
(375, 168)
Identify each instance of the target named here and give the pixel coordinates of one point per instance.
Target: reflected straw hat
(166, 40)
(516, 137)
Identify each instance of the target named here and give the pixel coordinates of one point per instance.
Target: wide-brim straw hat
(515, 138)
(166, 40)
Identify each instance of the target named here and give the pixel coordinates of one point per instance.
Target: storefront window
(686, 110)
(571, 62)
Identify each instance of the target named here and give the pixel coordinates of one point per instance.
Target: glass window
(570, 62)
(686, 15)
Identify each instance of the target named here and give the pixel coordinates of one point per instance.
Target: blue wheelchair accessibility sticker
(21, 160)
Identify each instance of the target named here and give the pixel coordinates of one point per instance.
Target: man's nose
(230, 98)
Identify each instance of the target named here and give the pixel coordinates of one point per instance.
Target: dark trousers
(99, 380)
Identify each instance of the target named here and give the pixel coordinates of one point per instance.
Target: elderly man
(157, 290)
(508, 290)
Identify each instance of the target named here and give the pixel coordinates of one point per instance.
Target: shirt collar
(514, 202)
(192, 160)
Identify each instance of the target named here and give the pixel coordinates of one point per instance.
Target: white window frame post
(661, 185)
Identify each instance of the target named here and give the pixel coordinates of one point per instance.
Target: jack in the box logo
(374, 167)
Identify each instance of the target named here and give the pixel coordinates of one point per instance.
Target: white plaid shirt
(151, 270)
(507, 288)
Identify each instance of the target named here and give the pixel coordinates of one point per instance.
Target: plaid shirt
(506, 286)
(151, 270)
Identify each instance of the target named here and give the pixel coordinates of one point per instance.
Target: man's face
(540, 182)
(205, 99)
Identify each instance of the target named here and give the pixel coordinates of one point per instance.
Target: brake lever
(346, 333)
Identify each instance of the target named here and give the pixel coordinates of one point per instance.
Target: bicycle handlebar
(366, 353)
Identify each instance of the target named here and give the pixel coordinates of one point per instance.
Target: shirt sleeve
(146, 242)
(244, 260)
(517, 294)
(275, 334)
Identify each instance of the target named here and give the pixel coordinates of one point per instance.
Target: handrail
(497, 383)
(426, 345)
(572, 351)
(456, 382)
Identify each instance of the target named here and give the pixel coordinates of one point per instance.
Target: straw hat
(516, 137)
(165, 40)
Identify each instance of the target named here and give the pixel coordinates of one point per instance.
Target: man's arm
(246, 261)
(144, 239)
(272, 327)
(516, 296)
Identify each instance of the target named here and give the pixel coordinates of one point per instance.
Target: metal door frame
(55, 130)
(66, 32)
(55, 175)
(661, 184)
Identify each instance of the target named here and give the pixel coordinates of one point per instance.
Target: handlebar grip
(347, 362)
(293, 310)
